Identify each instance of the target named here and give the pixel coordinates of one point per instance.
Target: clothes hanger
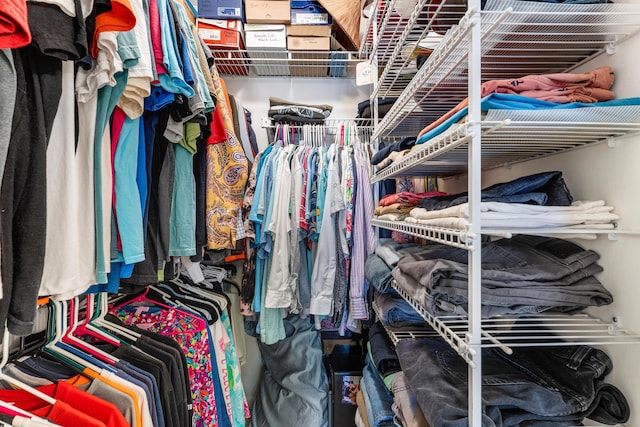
(16, 383)
(201, 306)
(220, 298)
(64, 352)
(89, 329)
(74, 341)
(119, 329)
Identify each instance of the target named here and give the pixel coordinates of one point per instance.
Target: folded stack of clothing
(397, 206)
(388, 154)
(522, 275)
(558, 88)
(384, 105)
(534, 386)
(540, 200)
(544, 188)
(282, 111)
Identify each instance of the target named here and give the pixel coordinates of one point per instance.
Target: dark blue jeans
(546, 188)
(535, 386)
(377, 273)
(525, 274)
(383, 352)
(396, 312)
(378, 398)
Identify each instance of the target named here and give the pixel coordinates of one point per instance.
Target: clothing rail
(343, 131)
(328, 123)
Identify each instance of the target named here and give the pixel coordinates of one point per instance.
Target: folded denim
(534, 386)
(405, 404)
(396, 312)
(525, 274)
(378, 398)
(382, 351)
(546, 188)
(377, 273)
(391, 251)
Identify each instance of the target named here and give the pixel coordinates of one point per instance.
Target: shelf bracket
(611, 49)
(616, 324)
(612, 236)
(612, 142)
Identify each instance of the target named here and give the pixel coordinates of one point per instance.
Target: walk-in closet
(322, 213)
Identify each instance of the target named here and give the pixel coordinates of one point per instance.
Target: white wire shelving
(283, 63)
(529, 330)
(518, 38)
(406, 332)
(456, 238)
(513, 136)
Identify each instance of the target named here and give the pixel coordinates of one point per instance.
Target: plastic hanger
(74, 341)
(101, 321)
(17, 383)
(87, 328)
(64, 352)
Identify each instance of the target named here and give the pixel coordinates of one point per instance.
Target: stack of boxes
(277, 36)
(310, 30)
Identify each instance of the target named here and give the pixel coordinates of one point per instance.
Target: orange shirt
(119, 18)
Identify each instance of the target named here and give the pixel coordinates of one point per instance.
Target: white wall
(253, 93)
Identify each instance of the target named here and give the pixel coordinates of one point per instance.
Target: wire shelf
(456, 238)
(282, 63)
(518, 38)
(408, 332)
(531, 134)
(531, 330)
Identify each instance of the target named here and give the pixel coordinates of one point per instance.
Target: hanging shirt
(226, 181)
(140, 75)
(279, 293)
(190, 332)
(364, 241)
(324, 267)
(182, 240)
(120, 18)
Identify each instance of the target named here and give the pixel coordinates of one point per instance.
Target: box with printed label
(267, 48)
(225, 39)
(267, 11)
(309, 12)
(220, 9)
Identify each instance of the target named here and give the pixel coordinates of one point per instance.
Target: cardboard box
(308, 43)
(309, 12)
(268, 12)
(309, 64)
(217, 32)
(309, 30)
(220, 9)
(225, 38)
(265, 36)
(267, 48)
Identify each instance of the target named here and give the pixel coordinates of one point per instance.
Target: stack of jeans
(395, 311)
(521, 275)
(545, 188)
(535, 386)
(377, 397)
